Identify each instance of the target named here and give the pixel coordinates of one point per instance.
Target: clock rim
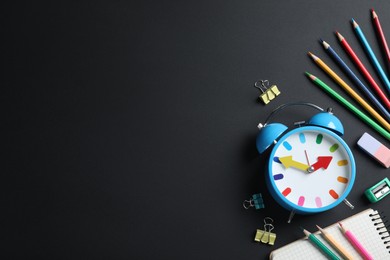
(285, 202)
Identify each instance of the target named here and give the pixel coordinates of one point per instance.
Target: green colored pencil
(320, 245)
(348, 105)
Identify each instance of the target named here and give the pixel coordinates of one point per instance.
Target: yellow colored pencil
(336, 245)
(350, 91)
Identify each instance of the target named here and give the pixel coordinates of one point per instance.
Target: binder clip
(265, 236)
(267, 94)
(255, 201)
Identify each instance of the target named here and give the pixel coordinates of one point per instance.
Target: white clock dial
(311, 168)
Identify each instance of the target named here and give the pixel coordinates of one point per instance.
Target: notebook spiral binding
(382, 226)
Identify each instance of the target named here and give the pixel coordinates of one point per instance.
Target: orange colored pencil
(336, 245)
(350, 91)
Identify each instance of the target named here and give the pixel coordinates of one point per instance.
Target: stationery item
(335, 244)
(355, 242)
(378, 191)
(348, 105)
(363, 70)
(371, 54)
(367, 226)
(320, 245)
(355, 79)
(265, 236)
(381, 35)
(350, 91)
(255, 201)
(375, 148)
(268, 93)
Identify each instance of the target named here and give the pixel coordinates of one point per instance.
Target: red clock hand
(322, 162)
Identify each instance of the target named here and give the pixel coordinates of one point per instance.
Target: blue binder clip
(255, 201)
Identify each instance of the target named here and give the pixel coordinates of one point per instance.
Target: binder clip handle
(248, 204)
(262, 85)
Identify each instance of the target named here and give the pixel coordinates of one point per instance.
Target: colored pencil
(371, 54)
(356, 244)
(381, 35)
(336, 245)
(363, 70)
(366, 119)
(355, 79)
(350, 91)
(320, 245)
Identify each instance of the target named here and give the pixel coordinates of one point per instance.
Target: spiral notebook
(367, 226)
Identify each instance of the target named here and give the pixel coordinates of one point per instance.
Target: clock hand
(322, 162)
(287, 162)
(307, 158)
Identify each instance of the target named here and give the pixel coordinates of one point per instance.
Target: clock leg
(292, 213)
(349, 204)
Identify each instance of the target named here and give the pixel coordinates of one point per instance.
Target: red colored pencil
(363, 70)
(381, 36)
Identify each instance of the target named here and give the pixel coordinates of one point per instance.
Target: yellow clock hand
(288, 162)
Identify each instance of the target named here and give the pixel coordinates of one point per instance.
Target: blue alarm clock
(311, 169)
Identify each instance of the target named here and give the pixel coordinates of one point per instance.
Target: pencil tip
(354, 23)
(314, 57)
(374, 15)
(307, 233)
(320, 229)
(310, 76)
(325, 44)
(339, 36)
(341, 225)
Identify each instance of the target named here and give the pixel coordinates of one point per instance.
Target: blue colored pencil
(355, 79)
(371, 54)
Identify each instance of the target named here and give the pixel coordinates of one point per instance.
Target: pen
(320, 245)
(336, 245)
(356, 244)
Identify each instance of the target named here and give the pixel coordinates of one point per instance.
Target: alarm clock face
(311, 169)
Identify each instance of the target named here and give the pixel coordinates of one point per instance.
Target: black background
(131, 126)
